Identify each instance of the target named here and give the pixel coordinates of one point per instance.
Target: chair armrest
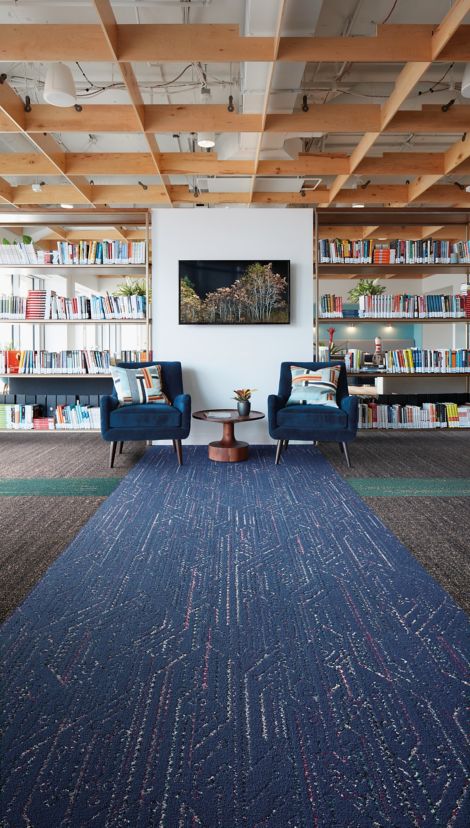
(107, 404)
(183, 403)
(275, 403)
(349, 406)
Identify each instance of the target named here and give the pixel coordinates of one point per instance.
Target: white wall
(217, 358)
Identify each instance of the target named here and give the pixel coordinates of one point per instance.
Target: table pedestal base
(228, 450)
(228, 454)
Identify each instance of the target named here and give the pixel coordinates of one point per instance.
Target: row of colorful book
(65, 362)
(55, 362)
(61, 418)
(98, 252)
(45, 304)
(428, 361)
(82, 252)
(412, 306)
(428, 415)
(394, 251)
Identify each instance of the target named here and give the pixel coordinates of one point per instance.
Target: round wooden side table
(228, 449)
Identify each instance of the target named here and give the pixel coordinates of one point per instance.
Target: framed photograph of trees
(234, 292)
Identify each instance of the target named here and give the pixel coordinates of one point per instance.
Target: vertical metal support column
(316, 278)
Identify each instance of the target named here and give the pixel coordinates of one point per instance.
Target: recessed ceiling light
(67, 206)
(358, 205)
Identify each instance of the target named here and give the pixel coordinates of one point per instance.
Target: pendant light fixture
(206, 140)
(59, 86)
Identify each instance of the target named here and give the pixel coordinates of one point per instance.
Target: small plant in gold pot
(243, 397)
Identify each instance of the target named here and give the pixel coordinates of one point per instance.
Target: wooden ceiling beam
(207, 163)
(111, 194)
(267, 90)
(110, 30)
(222, 43)
(454, 156)
(170, 118)
(6, 192)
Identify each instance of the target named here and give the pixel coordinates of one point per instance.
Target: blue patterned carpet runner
(235, 646)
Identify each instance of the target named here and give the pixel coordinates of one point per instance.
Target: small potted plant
(243, 396)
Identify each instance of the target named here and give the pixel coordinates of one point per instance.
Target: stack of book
(428, 361)
(12, 307)
(67, 417)
(430, 415)
(65, 362)
(18, 417)
(95, 252)
(331, 306)
(38, 304)
(410, 306)
(18, 253)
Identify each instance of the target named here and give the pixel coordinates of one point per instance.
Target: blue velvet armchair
(312, 422)
(152, 421)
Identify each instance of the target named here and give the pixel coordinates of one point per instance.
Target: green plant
(365, 287)
(132, 287)
(243, 394)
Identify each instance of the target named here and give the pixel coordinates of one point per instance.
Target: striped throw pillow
(314, 386)
(139, 385)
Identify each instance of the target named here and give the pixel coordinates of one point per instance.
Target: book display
(58, 329)
(419, 332)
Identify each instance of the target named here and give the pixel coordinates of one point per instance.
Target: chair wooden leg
(121, 446)
(278, 451)
(346, 454)
(341, 448)
(179, 452)
(286, 443)
(174, 445)
(112, 454)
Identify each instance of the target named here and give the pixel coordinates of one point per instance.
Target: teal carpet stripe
(53, 486)
(411, 486)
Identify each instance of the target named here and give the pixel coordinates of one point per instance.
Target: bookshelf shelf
(411, 320)
(398, 375)
(73, 321)
(404, 271)
(56, 376)
(55, 268)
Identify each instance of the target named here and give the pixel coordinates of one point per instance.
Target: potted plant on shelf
(243, 396)
(365, 287)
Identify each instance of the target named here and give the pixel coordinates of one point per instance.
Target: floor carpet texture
(235, 646)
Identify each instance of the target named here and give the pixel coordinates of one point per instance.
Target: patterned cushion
(314, 387)
(139, 385)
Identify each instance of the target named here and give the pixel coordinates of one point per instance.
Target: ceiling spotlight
(447, 106)
(144, 186)
(59, 86)
(78, 107)
(304, 104)
(459, 185)
(37, 187)
(230, 107)
(67, 206)
(358, 205)
(206, 140)
(366, 184)
(27, 103)
(196, 191)
(3, 77)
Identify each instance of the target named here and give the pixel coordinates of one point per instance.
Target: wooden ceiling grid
(415, 46)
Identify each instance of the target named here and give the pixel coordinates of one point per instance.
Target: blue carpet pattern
(235, 646)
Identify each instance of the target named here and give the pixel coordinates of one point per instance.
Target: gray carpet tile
(35, 530)
(435, 529)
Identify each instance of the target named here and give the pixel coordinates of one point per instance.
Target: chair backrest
(285, 379)
(172, 378)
